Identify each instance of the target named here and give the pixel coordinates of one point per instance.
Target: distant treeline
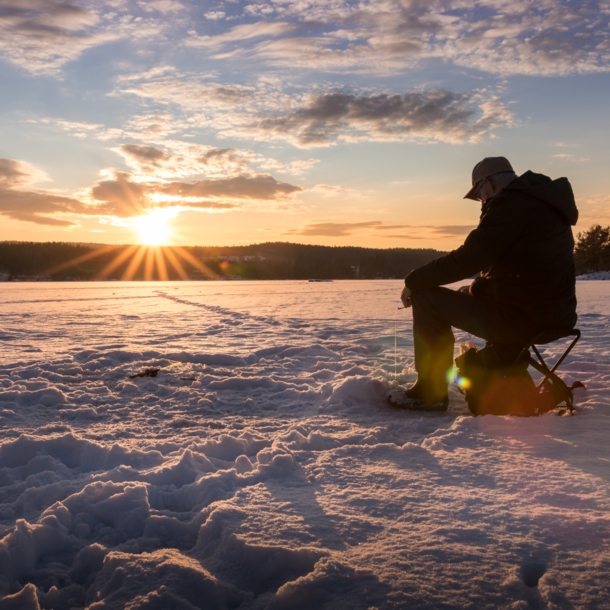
(274, 261)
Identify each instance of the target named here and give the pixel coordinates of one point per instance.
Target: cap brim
(470, 194)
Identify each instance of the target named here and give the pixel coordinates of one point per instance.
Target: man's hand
(405, 297)
(464, 289)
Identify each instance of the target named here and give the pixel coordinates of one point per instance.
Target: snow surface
(261, 467)
(596, 275)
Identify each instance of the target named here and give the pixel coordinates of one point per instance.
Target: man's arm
(458, 265)
(498, 230)
(405, 297)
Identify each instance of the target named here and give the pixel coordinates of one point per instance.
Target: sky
(314, 121)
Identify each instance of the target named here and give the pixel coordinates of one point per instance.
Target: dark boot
(422, 396)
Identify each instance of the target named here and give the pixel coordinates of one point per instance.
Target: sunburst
(153, 228)
(141, 262)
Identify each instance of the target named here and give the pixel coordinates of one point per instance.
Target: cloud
(554, 37)
(153, 126)
(345, 229)
(262, 187)
(41, 36)
(123, 197)
(271, 111)
(296, 168)
(37, 207)
(333, 229)
(145, 159)
(120, 195)
(182, 159)
(163, 6)
(571, 158)
(593, 210)
(28, 205)
(195, 93)
(558, 38)
(168, 158)
(215, 15)
(499, 36)
(330, 189)
(14, 173)
(240, 33)
(434, 115)
(429, 231)
(82, 130)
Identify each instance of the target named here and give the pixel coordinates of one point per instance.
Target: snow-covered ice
(261, 467)
(595, 275)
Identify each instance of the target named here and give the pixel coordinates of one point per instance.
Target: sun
(154, 229)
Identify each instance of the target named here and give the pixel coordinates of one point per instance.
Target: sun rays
(143, 262)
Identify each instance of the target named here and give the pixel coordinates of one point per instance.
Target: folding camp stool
(550, 382)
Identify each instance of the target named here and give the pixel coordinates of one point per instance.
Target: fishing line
(395, 333)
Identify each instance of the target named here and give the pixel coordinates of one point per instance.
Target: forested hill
(277, 261)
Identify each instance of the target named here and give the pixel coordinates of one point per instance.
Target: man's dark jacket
(524, 249)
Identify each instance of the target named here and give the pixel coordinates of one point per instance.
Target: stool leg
(557, 382)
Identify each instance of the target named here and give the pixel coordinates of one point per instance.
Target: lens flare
(464, 383)
(452, 374)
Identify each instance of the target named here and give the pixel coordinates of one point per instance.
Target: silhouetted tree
(592, 251)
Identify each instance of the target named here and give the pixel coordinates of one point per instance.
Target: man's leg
(435, 311)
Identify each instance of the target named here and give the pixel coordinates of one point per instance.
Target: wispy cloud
(429, 231)
(240, 33)
(380, 229)
(593, 210)
(295, 168)
(41, 35)
(163, 6)
(195, 92)
(571, 158)
(334, 229)
(555, 37)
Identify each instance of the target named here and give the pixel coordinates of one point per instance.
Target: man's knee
(442, 306)
(421, 296)
(429, 298)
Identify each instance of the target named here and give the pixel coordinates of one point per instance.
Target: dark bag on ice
(495, 382)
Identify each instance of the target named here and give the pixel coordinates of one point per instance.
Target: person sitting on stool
(523, 250)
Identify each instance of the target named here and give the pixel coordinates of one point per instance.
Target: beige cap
(490, 166)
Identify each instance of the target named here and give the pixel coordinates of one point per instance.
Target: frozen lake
(261, 467)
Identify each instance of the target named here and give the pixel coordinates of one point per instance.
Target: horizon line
(127, 245)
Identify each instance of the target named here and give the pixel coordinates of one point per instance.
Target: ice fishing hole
(532, 573)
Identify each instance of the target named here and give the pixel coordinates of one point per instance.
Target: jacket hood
(556, 193)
